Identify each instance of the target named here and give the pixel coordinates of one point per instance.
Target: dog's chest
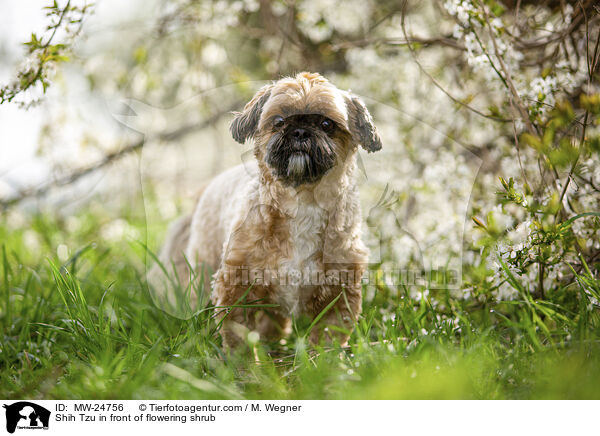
(302, 265)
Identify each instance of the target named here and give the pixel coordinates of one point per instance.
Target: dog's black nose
(300, 133)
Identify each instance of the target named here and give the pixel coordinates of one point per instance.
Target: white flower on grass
(118, 230)
(62, 251)
(253, 337)
(31, 240)
(72, 223)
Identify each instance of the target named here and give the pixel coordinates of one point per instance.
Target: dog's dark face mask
(301, 148)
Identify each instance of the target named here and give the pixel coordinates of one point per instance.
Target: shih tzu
(283, 234)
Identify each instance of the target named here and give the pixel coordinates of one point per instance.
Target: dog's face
(301, 148)
(303, 127)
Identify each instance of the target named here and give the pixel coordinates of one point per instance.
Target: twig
(573, 166)
(442, 40)
(435, 82)
(590, 67)
(507, 80)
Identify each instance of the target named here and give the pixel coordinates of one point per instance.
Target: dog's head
(304, 126)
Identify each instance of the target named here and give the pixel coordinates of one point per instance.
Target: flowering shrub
(541, 63)
(44, 53)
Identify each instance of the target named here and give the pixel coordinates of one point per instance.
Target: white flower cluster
(463, 10)
(319, 19)
(540, 93)
(483, 55)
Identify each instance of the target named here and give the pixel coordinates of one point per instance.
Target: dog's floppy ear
(244, 124)
(361, 124)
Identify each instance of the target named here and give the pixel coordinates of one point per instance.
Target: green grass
(86, 328)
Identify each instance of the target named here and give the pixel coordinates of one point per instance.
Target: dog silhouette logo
(26, 415)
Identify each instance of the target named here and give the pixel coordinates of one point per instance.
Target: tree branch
(44, 188)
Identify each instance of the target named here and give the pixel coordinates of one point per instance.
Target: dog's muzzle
(300, 155)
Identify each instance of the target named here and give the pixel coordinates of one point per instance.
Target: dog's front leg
(337, 323)
(237, 322)
(228, 295)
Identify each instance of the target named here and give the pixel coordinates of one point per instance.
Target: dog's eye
(278, 121)
(326, 124)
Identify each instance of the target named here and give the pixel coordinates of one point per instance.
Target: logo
(26, 415)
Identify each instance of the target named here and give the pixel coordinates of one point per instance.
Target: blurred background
(129, 114)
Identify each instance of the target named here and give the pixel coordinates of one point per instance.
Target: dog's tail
(169, 281)
(176, 241)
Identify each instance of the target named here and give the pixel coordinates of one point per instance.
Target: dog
(282, 235)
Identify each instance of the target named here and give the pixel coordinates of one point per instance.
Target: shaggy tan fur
(298, 248)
